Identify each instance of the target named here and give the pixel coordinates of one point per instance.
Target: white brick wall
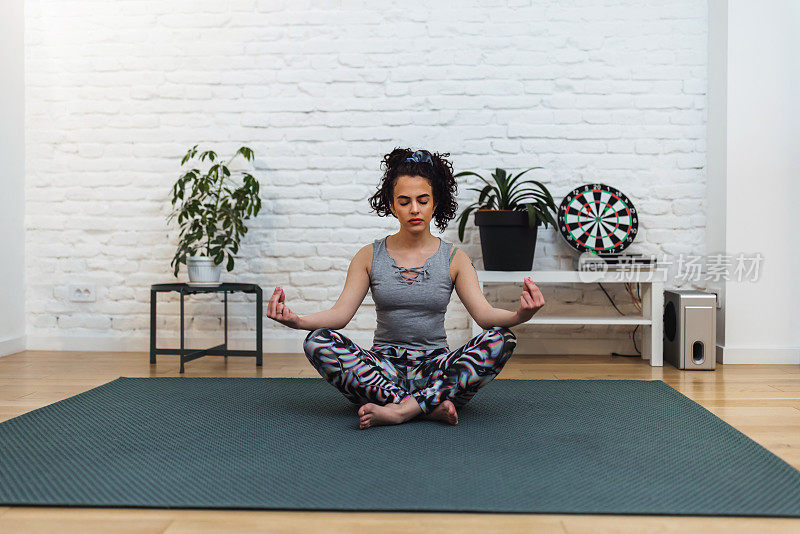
(609, 92)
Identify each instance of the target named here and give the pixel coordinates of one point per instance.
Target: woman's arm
(487, 316)
(325, 319)
(355, 289)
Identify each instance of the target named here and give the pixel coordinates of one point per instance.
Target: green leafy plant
(509, 194)
(211, 208)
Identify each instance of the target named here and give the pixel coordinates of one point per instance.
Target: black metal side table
(188, 355)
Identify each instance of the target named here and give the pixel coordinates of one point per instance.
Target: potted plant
(211, 209)
(508, 214)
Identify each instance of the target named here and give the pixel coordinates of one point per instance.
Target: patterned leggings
(389, 374)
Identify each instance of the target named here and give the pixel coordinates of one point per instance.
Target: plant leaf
(463, 223)
(511, 184)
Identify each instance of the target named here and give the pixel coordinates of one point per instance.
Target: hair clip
(421, 156)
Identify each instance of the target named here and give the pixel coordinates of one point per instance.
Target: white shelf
(618, 320)
(652, 281)
(578, 277)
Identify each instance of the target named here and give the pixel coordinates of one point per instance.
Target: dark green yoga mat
(545, 446)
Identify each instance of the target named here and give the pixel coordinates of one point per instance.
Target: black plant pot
(507, 242)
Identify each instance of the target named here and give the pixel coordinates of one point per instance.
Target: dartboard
(597, 218)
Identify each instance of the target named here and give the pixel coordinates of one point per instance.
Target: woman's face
(413, 199)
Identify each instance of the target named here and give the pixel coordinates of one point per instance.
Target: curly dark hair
(440, 176)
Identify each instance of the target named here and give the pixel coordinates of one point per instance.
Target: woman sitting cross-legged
(410, 370)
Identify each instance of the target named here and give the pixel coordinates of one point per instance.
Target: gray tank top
(411, 307)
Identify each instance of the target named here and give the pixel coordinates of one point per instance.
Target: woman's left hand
(531, 300)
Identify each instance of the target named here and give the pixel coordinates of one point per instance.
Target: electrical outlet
(82, 293)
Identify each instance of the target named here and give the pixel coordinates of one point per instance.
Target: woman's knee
(326, 337)
(507, 343)
(315, 338)
(502, 332)
(319, 331)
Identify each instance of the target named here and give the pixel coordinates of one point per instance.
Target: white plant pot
(202, 270)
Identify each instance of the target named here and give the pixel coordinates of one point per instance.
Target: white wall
(716, 176)
(118, 91)
(12, 201)
(757, 151)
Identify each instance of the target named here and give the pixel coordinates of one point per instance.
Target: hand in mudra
(277, 310)
(531, 300)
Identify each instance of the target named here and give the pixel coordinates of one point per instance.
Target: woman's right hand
(277, 310)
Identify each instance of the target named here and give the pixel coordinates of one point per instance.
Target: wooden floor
(763, 401)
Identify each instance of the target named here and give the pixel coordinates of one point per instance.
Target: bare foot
(444, 412)
(372, 414)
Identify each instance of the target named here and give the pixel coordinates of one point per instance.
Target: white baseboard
(751, 355)
(12, 346)
(561, 346)
(294, 344)
(142, 343)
